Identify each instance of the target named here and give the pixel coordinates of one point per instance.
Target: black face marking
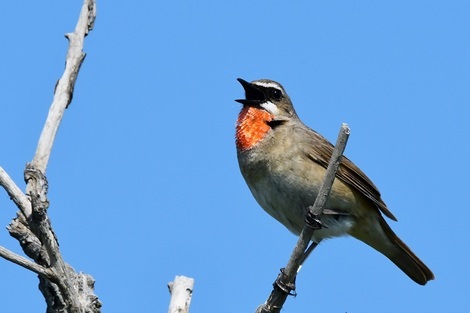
(274, 93)
(275, 123)
(258, 92)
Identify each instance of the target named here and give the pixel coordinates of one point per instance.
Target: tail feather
(405, 259)
(395, 249)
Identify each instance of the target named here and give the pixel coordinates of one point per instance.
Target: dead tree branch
(63, 288)
(181, 291)
(15, 193)
(63, 93)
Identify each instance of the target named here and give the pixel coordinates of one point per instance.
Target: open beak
(253, 95)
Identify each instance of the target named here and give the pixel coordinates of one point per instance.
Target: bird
(283, 162)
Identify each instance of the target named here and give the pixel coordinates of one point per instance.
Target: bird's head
(269, 96)
(266, 106)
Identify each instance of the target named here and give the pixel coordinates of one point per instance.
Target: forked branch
(64, 289)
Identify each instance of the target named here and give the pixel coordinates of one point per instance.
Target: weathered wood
(181, 290)
(64, 289)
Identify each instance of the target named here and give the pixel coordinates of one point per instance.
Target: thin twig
(287, 277)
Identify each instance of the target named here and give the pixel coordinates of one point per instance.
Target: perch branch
(287, 277)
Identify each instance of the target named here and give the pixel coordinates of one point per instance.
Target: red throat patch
(251, 127)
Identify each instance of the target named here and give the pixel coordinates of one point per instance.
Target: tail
(393, 248)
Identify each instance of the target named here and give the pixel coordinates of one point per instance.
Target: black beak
(253, 95)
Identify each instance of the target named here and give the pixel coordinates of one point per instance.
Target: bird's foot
(287, 287)
(313, 220)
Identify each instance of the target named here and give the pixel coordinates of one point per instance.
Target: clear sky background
(144, 180)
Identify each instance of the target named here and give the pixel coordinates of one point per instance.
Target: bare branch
(181, 291)
(65, 86)
(21, 261)
(288, 274)
(15, 193)
(65, 295)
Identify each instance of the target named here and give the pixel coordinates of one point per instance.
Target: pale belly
(285, 183)
(288, 203)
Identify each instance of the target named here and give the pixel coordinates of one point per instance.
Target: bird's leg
(312, 219)
(307, 253)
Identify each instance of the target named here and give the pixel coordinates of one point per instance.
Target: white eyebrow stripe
(268, 85)
(270, 107)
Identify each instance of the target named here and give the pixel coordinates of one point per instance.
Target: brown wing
(348, 172)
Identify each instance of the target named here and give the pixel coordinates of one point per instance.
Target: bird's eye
(276, 94)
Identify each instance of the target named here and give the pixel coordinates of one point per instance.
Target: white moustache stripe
(270, 107)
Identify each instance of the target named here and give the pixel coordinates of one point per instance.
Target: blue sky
(144, 180)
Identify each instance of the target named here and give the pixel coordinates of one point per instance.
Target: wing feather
(348, 172)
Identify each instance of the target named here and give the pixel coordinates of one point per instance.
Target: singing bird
(284, 162)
